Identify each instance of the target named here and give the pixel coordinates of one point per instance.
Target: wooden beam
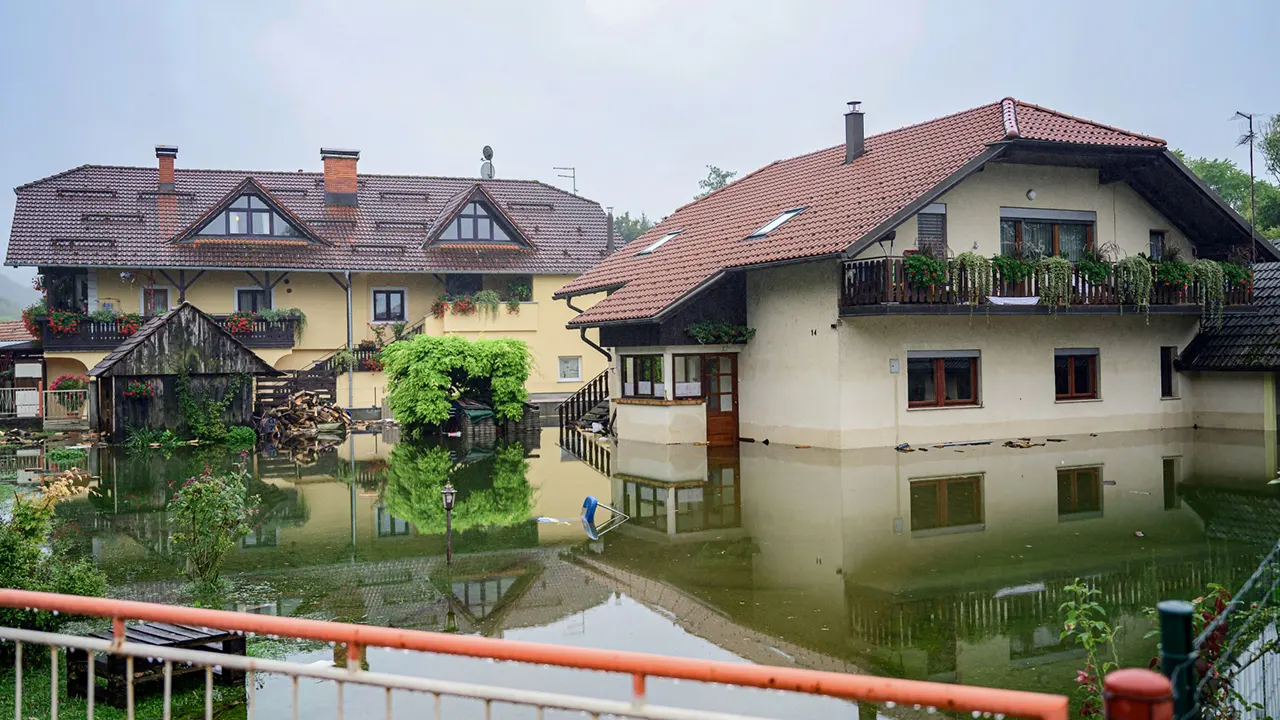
(277, 281)
(255, 279)
(171, 282)
(338, 280)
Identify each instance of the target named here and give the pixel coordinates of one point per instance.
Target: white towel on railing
(1013, 300)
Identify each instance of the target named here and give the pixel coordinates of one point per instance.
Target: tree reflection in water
(493, 488)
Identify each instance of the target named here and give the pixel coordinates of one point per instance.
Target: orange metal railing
(640, 666)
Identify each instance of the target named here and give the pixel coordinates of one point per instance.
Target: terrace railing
(266, 333)
(94, 335)
(884, 281)
(401, 695)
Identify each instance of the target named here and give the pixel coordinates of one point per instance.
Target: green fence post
(1175, 656)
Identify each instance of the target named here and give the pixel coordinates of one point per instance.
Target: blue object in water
(589, 509)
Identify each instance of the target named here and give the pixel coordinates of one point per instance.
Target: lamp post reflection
(447, 495)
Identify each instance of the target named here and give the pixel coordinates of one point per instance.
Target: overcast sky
(638, 96)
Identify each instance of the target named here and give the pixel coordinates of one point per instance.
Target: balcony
(90, 335)
(881, 287)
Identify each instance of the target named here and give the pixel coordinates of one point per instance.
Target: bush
(209, 514)
(141, 440)
(924, 269)
(493, 492)
(241, 436)
(65, 457)
(425, 374)
(30, 560)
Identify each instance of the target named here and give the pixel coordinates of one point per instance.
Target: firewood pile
(305, 416)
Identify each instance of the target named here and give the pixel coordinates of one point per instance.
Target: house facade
(1001, 272)
(280, 257)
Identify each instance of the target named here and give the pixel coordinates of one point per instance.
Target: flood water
(946, 564)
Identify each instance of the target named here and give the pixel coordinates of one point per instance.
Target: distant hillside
(14, 295)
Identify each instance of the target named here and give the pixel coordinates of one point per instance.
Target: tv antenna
(573, 175)
(486, 167)
(1247, 139)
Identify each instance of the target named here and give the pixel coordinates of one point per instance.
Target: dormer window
(775, 223)
(659, 243)
(475, 223)
(249, 216)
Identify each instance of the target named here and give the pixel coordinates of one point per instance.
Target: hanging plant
(488, 301)
(439, 307)
(1238, 275)
(710, 332)
(371, 364)
(139, 390)
(240, 323)
(1012, 267)
(464, 305)
(1094, 266)
(65, 322)
(513, 306)
(1211, 290)
(1054, 274)
(977, 276)
(31, 317)
(924, 269)
(1134, 282)
(128, 323)
(1174, 274)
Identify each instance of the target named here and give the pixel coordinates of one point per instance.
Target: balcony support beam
(182, 284)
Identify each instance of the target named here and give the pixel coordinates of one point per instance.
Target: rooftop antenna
(1247, 139)
(486, 167)
(573, 175)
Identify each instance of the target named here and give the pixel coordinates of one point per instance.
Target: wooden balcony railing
(93, 335)
(868, 284)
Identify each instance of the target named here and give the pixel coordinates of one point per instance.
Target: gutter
(582, 332)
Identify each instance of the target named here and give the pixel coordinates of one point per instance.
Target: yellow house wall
(1233, 400)
(540, 323)
(973, 209)
(58, 364)
(661, 424)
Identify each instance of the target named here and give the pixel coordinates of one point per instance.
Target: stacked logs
(306, 416)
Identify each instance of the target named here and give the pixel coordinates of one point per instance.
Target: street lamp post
(447, 495)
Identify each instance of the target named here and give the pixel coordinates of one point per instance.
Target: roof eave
(1208, 192)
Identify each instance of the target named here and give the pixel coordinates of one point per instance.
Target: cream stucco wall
(973, 209)
(661, 424)
(540, 323)
(1233, 400)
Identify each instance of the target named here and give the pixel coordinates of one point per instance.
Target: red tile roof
(843, 203)
(14, 331)
(113, 216)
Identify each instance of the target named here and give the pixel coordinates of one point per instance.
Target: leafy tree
(427, 373)
(1269, 143)
(629, 228)
(1232, 184)
(715, 179)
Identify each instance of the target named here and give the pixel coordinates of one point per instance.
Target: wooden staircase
(590, 404)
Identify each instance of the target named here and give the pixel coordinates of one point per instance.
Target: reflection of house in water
(681, 492)
(950, 563)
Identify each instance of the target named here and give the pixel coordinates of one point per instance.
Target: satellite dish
(487, 152)
(486, 170)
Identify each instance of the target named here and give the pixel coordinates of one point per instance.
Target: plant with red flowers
(31, 317)
(139, 390)
(1176, 274)
(240, 323)
(464, 305)
(37, 283)
(72, 402)
(128, 323)
(367, 345)
(65, 322)
(371, 364)
(440, 307)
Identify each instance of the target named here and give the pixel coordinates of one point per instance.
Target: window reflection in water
(711, 505)
(1079, 493)
(946, 503)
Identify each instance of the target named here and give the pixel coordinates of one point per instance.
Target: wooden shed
(138, 383)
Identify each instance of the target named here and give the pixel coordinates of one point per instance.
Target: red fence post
(1137, 694)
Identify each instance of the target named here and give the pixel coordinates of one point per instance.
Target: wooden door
(720, 387)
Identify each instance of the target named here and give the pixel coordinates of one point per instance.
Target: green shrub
(209, 513)
(204, 413)
(426, 373)
(30, 560)
(924, 269)
(1012, 267)
(141, 440)
(65, 457)
(241, 436)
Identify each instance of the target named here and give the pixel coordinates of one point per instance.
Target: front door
(720, 387)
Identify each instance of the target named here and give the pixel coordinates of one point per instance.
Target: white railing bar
(53, 683)
(17, 682)
(295, 696)
(252, 683)
(93, 685)
(168, 690)
(208, 690)
(399, 682)
(128, 684)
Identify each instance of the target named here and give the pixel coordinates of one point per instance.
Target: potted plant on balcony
(488, 301)
(440, 306)
(1211, 289)
(923, 270)
(240, 323)
(139, 390)
(371, 364)
(464, 305)
(65, 322)
(32, 315)
(1134, 279)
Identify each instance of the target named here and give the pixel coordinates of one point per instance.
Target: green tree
(629, 228)
(427, 373)
(715, 179)
(1269, 144)
(1232, 184)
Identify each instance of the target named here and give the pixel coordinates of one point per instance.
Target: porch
(882, 287)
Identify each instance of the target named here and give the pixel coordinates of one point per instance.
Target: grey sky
(639, 96)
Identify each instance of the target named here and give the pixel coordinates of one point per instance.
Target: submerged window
(942, 379)
(1079, 492)
(946, 503)
(658, 243)
(249, 216)
(642, 376)
(775, 223)
(475, 223)
(1075, 374)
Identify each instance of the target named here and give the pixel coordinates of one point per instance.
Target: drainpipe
(582, 332)
(351, 388)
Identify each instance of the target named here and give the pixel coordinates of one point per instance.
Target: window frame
(778, 221)
(1152, 252)
(659, 242)
(657, 377)
(142, 298)
(1168, 356)
(268, 299)
(939, 380)
(479, 284)
(1072, 355)
(485, 216)
(1074, 512)
(267, 209)
(1018, 216)
(560, 368)
(677, 360)
(934, 210)
(373, 305)
(941, 486)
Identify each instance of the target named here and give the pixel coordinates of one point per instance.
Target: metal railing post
(1176, 660)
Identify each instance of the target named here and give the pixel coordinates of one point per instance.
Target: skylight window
(775, 223)
(659, 243)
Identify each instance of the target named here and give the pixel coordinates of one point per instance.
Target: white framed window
(252, 298)
(388, 304)
(570, 368)
(156, 299)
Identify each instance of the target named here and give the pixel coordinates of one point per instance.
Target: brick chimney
(166, 154)
(340, 184)
(855, 145)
